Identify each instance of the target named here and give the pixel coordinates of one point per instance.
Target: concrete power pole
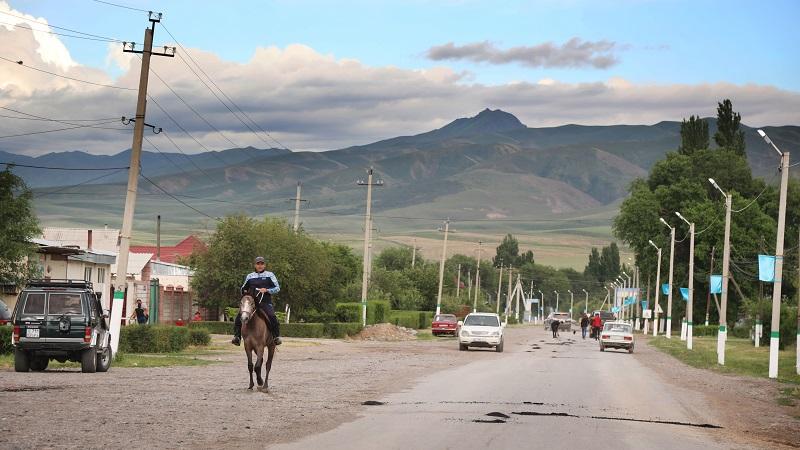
(477, 279)
(297, 199)
(414, 255)
(499, 288)
(367, 238)
(690, 301)
(441, 267)
(710, 272)
(722, 335)
(658, 289)
(508, 293)
(458, 283)
(158, 237)
(133, 176)
(671, 261)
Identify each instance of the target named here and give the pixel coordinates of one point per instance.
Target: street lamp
(571, 298)
(541, 294)
(658, 283)
(671, 260)
(625, 293)
(586, 305)
(556, 292)
(722, 336)
(774, 336)
(690, 300)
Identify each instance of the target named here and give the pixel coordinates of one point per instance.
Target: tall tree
(694, 135)
(728, 134)
(18, 224)
(593, 267)
(507, 251)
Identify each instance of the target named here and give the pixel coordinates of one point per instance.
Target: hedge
(199, 336)
(349, 312)
(377, 311)
(338, 330)
(305, 330)
(408, 319)
(153, 339)
(703, 330)
(5, 340)
(213, 327)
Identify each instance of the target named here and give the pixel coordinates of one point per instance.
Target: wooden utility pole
(133, 175)
(367, 242)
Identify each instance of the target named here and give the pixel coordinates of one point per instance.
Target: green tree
(18, 225)
(609, 262)
(593, 266)
(694, 135)
(728, 134)
(395, 258)
(508, 253)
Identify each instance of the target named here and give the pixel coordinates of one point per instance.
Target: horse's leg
(270, 354)
(248, 350)
(259, 362)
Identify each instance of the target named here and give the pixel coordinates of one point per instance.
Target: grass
(741, 358)
(188, 357)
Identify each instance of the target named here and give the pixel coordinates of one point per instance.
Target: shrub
(213, 327)
(702, 330)
(153, 339)
(338, 330)
(377, 311)
(199, 336)
(348, 312)
(305, 330)
(741, 331)
(408, 319)
(425, 319)
(5, 340)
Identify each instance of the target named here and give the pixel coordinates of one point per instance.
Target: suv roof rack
(61, 283)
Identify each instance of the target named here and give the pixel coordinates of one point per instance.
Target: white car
(481, 330)
(616, 335)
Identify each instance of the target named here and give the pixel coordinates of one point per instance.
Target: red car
(444, 324)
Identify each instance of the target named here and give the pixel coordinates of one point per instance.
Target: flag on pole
(644, 304)
(716, 284)
(665, 288)
(685, 293)
(766, 268)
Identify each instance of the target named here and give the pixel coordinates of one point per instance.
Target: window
(482, 321)
(101, 275)
(87, 274)
(64, 304)
(34, 303)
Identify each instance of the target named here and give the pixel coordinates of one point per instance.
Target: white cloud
(309, 100)
(50, 49)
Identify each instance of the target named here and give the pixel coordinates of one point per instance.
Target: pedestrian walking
(584, 325)
(597, 324)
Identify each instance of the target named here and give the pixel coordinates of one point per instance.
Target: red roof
(184, 248)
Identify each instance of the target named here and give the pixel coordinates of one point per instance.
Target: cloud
(50, 48)
(575, 53)
(313, 101)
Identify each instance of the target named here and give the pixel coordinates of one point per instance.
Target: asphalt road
(539, 393)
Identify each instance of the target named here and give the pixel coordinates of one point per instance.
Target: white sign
(659, 310)
(647, 313)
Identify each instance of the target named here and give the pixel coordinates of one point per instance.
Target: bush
(377, 311)
(425, 319)
(702, 330)
(408, 319)
(314, 316)
(338, 330)
(199, 336)
(304, 330)
(5, 340)
(153, 339)
(348, 312)
(741, 331)
(213, 327)
(512, 319)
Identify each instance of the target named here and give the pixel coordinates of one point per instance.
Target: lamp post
(541, 294)
(571, 298)
(556, 292)
(625, 293)
(586, 305)
(441, 267)
(658, 282)
(671, 260)
(690, 300)
(774, 336)
(722, 336)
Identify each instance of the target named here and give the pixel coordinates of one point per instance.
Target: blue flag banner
(665, 288)
(766, 268)
(685, 294)
(716, 284)
(629, 301)
(615, 309)
(644, 304)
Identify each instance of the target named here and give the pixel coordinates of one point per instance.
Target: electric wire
(766, 186)
(62, 28)
(57, 33)
(177, 199)
(63, 168)
(63, 129)
(42, 194)
(121, 6)
(21, 64)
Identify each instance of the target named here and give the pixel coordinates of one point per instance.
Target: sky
(321, 75)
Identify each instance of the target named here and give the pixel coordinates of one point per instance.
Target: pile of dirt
(385, 332)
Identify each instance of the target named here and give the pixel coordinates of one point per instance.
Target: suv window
(34, 303)
(64, 303)
(482, 321)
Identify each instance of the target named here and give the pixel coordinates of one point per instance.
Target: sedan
(444, 324)
(616, 335)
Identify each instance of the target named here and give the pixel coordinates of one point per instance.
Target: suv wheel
(499, 348)
(22, 362)
(462, 347)
(104, 360)
(39, 363)
(89, 360)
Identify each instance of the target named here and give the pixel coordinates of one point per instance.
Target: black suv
(61, 320)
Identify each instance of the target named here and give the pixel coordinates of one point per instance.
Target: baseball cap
(259, 259)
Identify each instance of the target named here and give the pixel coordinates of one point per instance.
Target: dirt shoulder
(748, 406)
(315, 385)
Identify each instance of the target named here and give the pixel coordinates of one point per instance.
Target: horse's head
(248, 308)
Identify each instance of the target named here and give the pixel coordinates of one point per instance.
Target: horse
(256, 335)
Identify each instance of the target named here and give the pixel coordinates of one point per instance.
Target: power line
(177, 199)
(58, 34)
(21, 64)
(121, 6)
(61, 168)
(767, 186)
(165, 156)
(61, 28)
(63, 129)
(65, 122)
(76, 185)
(56, 120)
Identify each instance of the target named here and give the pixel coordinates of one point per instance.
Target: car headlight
(494, 333)
(464, 333)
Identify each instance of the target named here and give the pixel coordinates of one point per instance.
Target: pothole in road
(372, 403)
(488, 421)
(31, 388)
(622, 419)
(498, 414)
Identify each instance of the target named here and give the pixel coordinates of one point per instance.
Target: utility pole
(556, 292)
(458, 282)
(586, 305)
(541, 294)
(671, 260)
(133, 174)
(477, 279)
(297, 199)
(722, 335)
(508, 293)
(774, 335)
(469, 284)
(441, 267)
(499, 287)
(797, 346)
(367, 242)
(658, 289)
(571, 298)
(690, 300)
(158, 237)
(518, 293)
(414, 256)
(710, 272)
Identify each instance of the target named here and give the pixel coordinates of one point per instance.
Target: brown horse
(256, 335)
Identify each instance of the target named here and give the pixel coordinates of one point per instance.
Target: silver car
(616, 335)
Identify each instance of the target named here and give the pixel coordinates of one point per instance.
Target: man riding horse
(261, 285)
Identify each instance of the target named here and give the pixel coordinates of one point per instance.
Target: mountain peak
(487, 121)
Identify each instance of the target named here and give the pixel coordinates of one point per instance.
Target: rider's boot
(276, 329)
